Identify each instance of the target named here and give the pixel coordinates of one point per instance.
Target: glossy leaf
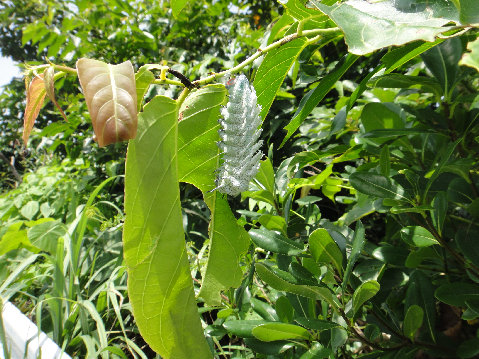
(362, 21)
(457, 293)
(273, 70)
(242, 328)
(273, 223)
(363, 293)
(317, 351)
(324, 249)
(376, 185)
(413, 321)
(420, 292)
(358, 244)
(313, 97)
(426, 84)
(110, 93)
(471, 57)
(280, 331)
(468, 11)
(35, 98)
(265, 175)
(418, 236)
(197, 136)
(274, 242)
(159, 282)
(228, 242)
(313, 292)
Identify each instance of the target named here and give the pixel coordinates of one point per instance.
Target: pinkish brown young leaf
(35, 98)
(110, 92)
(49, 80)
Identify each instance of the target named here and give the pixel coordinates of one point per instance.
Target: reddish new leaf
(49, 80)
(110, 92)
(35, 98)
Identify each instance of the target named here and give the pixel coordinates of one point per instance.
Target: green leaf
(398, 56)
(197, 136)
(275, 242)
(468, 11)
(228, 242)
(426, 84)
(443, 62)
(377, 116)
(45, 235)
(280, 331)
(160, 287)
(265, 175)
(177, 6)
(468, 348)
(363, 21)
(376, 185)
(324, 249)
(273, 70)
(317, 351)
(385, 161)
(273, 223)
(313, 292)
(358, 244)
(413, 321)
(363, 293)
(418, 236)
(313, 97)
(242, 328)
(438, 215)
(15, 238)
(316, 324)
(466, 239)
(457, 293)
(30, 209)
(143, 78)
(420, 292)
(471, 58)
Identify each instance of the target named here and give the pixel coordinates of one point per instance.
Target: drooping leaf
(313, 292)
(197, 136)
(35, 98)
(363, 293)
(228, 242)
(312, 98)
(324, 249)
(273, 70)
(420, 292)
(358, 244)
(412, 321)
(49, 80)
(110, 93)
(362, 21)
(159, 281)
(280, 331)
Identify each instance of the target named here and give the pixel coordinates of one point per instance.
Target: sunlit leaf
(48, 78)
(110, 93)
(35, 98)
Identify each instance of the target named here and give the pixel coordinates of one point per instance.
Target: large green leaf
(468, 11)
(413, 321)
(275, 242)
(159, 282)
(273, 70)
(457, 293)
(313, 292)
(369, 26)
(312, 98)
(197, 136)
(324, 249)
(228, 242)
(280, 331)
(376, 185)
(418, 236)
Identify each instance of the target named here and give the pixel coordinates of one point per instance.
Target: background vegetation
(362, 221)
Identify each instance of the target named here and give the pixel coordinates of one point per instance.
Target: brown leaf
(35, 99)
(110, 93)
(48, 78)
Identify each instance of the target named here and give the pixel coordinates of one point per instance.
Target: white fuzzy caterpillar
(239, 139)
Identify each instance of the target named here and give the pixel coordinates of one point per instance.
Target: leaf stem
(306, 33)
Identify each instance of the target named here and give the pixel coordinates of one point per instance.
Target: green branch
(317, 33)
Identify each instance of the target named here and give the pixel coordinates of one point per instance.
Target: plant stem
(306, 33)
(168, 82)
